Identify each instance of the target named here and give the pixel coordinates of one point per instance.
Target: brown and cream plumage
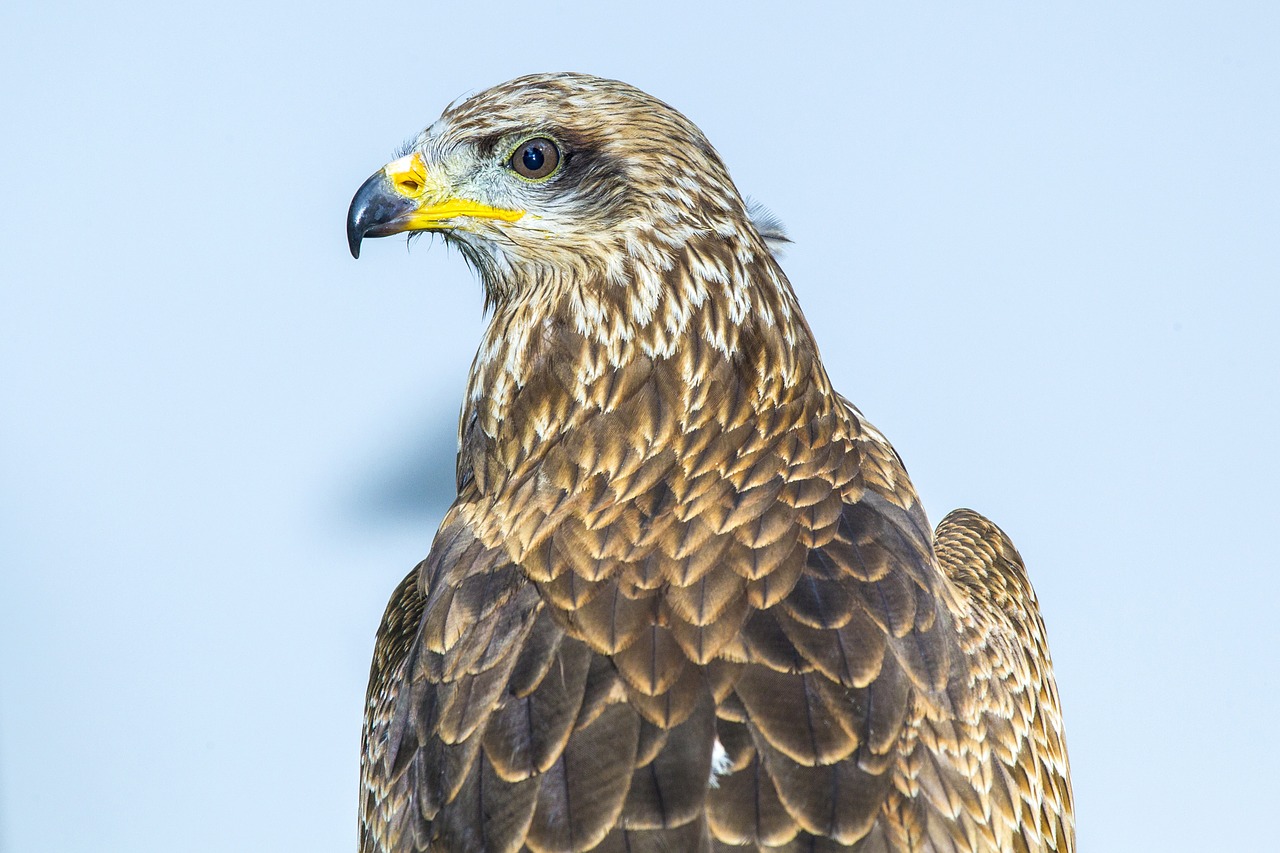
(687, 598)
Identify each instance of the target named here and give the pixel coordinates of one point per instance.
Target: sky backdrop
(1039, 245)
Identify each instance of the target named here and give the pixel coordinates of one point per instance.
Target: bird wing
(1005, 711)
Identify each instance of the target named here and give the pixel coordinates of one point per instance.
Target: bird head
(556, 175)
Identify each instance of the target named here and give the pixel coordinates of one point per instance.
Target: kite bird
(687, 598)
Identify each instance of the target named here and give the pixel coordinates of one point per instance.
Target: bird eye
(536, 158)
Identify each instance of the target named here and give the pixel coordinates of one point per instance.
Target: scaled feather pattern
(687, 598)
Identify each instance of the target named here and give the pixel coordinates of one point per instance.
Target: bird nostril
(409, 185)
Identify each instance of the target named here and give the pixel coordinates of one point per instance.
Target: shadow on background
(414, 480)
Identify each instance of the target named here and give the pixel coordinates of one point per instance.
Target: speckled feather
(673, 542)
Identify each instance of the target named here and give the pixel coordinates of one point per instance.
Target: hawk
(687, 598)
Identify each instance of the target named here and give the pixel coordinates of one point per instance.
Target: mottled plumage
(687, 598)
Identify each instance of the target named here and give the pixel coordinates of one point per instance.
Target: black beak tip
(373, 204)
(357, 216)
(377, 210)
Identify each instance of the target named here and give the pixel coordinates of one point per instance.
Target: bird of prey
(687, 598)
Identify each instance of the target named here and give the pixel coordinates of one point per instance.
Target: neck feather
(685, 341)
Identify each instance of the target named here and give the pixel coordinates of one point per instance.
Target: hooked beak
(403, 196)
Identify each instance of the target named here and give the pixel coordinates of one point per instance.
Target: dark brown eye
(536, 158)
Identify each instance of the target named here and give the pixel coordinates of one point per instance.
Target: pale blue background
(1038, 245)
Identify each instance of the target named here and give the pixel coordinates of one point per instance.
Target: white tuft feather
(769, 226)
(719, 764)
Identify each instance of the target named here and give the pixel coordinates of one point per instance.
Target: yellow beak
(402, 196)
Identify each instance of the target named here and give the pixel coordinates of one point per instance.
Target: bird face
(551, 175)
